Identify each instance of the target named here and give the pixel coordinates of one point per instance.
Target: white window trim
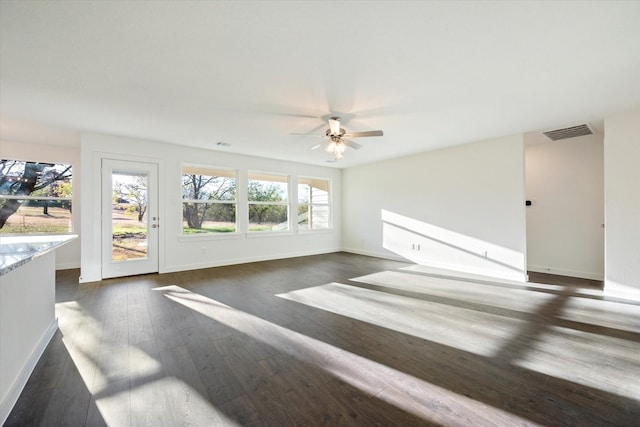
(211, 236)
(268, 203)
(211, 202)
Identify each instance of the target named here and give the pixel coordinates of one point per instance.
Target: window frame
(328, 204)
(72, 224)
(286, 179)
(235, 202)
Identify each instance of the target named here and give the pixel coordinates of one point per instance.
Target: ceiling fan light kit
(337, 143)
(336, 147)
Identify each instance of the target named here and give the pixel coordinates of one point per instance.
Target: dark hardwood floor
(336, 339)
(555, 279)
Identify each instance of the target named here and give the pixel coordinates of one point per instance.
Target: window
(209, 202)
(314, 208)
(35, 197)
(268, 199)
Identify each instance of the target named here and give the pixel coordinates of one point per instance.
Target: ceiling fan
(338, 139)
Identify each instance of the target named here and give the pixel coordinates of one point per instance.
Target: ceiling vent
(570, 132)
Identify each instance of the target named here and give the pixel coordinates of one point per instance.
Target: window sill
(53, 233)
(209, 236)
(253, 234)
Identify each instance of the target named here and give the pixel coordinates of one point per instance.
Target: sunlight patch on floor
(141, 365)
(106, 365)
(479, 318)
(562, 352)
(178, 404)
(607, 314)
(511, 298)
(81, 336)
(568, 354)
(476, 279)
(367, 375)
(435, 321)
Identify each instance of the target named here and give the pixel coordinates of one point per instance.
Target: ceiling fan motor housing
(342, 132)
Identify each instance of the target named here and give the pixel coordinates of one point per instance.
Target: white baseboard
(613, 290)
(67, 266)
(376, 254)
(14, 392)
(564, 272)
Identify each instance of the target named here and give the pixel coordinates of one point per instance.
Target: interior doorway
(564, 183)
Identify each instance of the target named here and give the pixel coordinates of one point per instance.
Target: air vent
(570, 132)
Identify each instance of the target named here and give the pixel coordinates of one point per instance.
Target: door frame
(151, 263)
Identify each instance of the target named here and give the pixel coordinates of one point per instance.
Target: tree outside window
(209, 201)
(133, 193)
(35, 197)
(268, 202)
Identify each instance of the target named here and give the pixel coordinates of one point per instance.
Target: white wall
(622, 205)
(179, 252)
(460, 208)
(68, 256)
(565, 182)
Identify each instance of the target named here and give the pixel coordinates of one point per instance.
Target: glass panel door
(129, 218)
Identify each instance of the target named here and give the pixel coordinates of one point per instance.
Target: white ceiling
(430, 74)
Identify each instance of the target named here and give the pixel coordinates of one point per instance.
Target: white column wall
(622, 205)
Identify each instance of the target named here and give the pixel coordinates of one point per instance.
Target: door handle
(154, 226)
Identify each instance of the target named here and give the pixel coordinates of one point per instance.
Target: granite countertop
(16, 251)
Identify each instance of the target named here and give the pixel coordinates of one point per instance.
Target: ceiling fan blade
(319, 145)
(363, 134)
(334, 125)
(351, 144)
(305, 134)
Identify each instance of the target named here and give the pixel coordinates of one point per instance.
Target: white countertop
(16, 251)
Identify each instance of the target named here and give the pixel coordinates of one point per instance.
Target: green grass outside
(30, 219)
(187, 230)
(118, 230)
(42, 228)
(222, 229)
(260, 228)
